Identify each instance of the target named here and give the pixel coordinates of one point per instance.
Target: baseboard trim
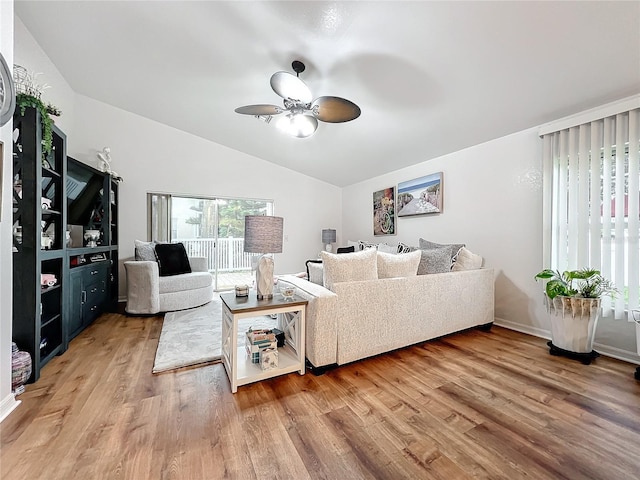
(617, 353)
(536, 332)
(8, 405)
(613, 352)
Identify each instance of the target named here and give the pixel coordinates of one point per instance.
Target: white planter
(573, 323)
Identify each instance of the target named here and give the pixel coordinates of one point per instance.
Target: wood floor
(473, 405)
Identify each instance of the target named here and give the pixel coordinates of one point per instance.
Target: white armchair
(149, 293)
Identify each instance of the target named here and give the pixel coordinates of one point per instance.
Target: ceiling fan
(301, 111)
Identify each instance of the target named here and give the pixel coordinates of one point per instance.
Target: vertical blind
(592, 180)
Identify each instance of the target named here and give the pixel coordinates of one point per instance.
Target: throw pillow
(349, 267)
(315, 271)
(355, 245)
(404, 248)
(172, 259)
(145, 251)
(349, 249)
(435, 260)
(385, 248)
(364, 245)
(455, 247)
(467, 260)
(393, 265)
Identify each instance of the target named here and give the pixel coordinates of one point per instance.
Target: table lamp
(328, 237)
(263, 234)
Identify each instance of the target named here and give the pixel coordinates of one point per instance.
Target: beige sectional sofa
(359, 319)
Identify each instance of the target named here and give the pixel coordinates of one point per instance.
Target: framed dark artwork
(384, 212)
(420, 196)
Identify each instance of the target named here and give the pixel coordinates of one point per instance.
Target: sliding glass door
(208, 227)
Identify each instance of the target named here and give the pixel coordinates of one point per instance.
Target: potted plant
(573, 300)
(29, 94)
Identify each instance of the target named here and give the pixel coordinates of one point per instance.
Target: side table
(291, 320)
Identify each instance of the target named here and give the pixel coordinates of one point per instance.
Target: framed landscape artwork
(384, 214)
(420, 196)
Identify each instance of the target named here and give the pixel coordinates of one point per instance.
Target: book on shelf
(254, 351)
(252, 348)
(255, 336)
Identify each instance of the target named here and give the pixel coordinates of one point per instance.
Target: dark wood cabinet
(88, 294)
(58, 289)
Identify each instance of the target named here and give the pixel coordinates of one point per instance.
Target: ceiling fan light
(298, 125)
(303, 126)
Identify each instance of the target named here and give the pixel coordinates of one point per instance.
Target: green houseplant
(585, 283)
(573, 300)
(29, 94)
(23, 101)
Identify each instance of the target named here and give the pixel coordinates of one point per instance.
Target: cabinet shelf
(51, 254)
(48, 319)
(47, 172)
(49, 211)
(88, 250)
(44, 290)
(49, 355)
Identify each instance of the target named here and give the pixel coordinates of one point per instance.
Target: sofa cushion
(455, 247)
(172, 259)
(145, 251)
(386, 248)
(315, 271)
(184, 282)
(435, 260)
(467, 260)
(349, 267)
(393, 265)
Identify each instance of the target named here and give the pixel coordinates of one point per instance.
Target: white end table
(291, 320)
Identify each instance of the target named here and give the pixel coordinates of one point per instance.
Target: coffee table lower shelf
(249, 372)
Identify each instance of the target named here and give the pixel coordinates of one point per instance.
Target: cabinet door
(95, 286)
(76, 300)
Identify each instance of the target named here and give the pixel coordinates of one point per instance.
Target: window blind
(592, 197)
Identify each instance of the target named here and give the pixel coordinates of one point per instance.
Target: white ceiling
(430, 77)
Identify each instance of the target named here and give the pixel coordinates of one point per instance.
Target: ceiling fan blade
(289, 86)
(335, 109)
(259, 110)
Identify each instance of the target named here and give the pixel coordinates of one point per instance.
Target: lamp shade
(328, 236)
(263, 234)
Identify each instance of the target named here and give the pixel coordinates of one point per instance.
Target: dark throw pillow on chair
(172, 259)
(350, 249)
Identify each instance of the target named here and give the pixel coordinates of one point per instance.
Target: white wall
(7, 400)
(154, 157)
(30, 55)
(493, 204)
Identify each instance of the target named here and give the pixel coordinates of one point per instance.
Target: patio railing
(228, 254)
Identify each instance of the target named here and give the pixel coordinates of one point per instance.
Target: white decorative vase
(573, 323)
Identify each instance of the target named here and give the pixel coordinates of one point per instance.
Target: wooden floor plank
(492, 405)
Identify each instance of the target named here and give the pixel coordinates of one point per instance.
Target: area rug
(194, 336)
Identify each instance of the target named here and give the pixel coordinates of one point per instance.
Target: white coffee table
(291, 320)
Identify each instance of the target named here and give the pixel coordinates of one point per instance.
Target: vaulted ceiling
(430, 77)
